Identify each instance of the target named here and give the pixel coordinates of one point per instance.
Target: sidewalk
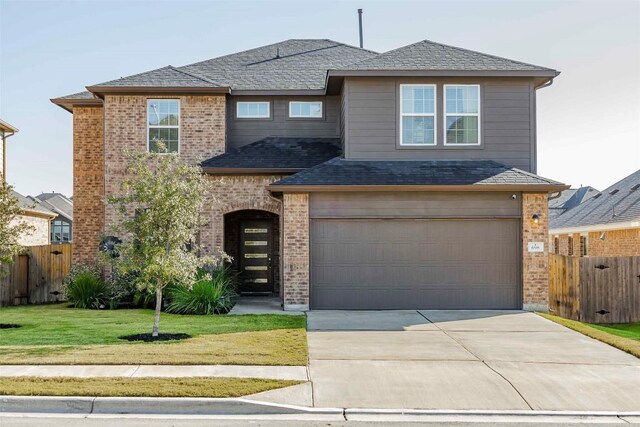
(296, 373)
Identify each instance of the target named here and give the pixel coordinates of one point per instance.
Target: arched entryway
(252, 239)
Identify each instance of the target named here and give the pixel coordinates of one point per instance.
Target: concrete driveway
(496, 360)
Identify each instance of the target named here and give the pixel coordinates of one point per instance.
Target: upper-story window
(305, 109)
(462, 114)
(417, 114)
(253, 110)
(163, 125)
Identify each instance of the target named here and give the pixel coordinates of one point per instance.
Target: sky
(588, 121)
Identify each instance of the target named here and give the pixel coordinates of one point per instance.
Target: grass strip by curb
(625, 344)
(139, 387)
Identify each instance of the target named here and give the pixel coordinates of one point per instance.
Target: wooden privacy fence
(595, 289)
(36, 276)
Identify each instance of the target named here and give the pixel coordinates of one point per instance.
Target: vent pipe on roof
(360, 26)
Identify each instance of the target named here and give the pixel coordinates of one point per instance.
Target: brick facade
(295, 252)
(88, 183)
(230, 194)
(602, 243)
(202, 133)
(535, 265)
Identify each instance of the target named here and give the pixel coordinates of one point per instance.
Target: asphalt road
(64, 421)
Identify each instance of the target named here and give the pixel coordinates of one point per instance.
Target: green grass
(625, 330)
(59, 325)
(56, 334)
(138, 387)
(625, 337)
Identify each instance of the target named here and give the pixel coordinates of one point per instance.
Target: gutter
(6, 136)
(283, 188)
(250, 171)
(596, 227)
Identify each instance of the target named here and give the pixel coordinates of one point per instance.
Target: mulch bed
(160, 337)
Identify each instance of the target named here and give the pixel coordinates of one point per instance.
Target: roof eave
(68, 103)
(596, 227)
(532, 188)
(6, 127)
(444, 73)
(174, 90)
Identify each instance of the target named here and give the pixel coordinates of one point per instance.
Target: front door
(256, 255)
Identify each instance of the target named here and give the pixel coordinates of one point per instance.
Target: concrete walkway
(261, 305)
(297, 373)
(464, 360)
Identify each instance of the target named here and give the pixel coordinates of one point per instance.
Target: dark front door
(256, 256)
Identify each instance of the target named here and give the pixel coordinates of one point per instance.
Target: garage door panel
(393, 264)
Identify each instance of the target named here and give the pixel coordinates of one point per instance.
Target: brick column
(88, 183)
(535, 265)
(295, 252)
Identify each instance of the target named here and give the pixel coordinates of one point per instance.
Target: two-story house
(344, 178)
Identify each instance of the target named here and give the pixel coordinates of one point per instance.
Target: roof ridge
(535, 176)
(451, 47)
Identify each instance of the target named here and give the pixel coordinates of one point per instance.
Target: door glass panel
(255, 243)
(255, 230)
(255, 255)
(256, 281)
(256, 267)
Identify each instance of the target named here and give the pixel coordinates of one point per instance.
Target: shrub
(212, 293)
(85, 288)
(122, 288)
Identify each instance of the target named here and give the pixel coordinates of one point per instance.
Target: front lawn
(56, 334)
(625, 337)
(138, 387)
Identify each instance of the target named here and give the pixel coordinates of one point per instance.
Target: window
(60, 231)
(253, 110)
(462, 114)
(300, 109)
(584, 245)
(163, 125)
(417, 115)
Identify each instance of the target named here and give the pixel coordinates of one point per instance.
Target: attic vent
(597, 195)
(612, 192)
(635, 187)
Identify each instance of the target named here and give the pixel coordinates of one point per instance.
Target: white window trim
(291, 116)
(149, 101)
(478, 115)
(256, 116)
(434, 115)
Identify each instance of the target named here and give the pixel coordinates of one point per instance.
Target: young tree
(159, 205)
(10, 228)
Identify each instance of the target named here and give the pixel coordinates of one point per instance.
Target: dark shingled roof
(58, 203)
(278, 153)
(570, 199)
(434, 172)
(428, 55)
(163, 77)
(288, 65)
(618, 203)
(80, 95)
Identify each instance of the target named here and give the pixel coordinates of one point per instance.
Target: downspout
(4, 154)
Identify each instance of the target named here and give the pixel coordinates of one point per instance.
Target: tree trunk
(156, 319)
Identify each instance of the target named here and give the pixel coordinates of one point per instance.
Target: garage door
(415, 264)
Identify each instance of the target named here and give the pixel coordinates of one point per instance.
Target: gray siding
(415, 205)
(244, 131)
(507, 121)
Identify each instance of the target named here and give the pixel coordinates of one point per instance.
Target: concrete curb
(513, 416)
(151, 405)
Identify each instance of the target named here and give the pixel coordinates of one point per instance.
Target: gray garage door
(414, 264)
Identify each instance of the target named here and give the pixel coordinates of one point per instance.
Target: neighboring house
(344, 178)
(31, 212)
(36, 216)
(607, 224)
(6, 130)
(62, 224)
(569, 199)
